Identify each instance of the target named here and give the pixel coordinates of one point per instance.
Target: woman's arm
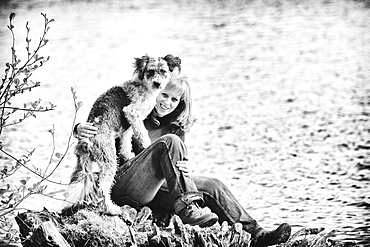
(180, 133)
(86, 130)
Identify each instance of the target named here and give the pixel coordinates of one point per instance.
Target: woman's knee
(216, 185)
(171, 140)
(210, 185)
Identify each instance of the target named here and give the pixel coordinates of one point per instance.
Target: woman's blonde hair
(182, 116)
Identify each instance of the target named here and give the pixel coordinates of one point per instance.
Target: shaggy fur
(118, 113)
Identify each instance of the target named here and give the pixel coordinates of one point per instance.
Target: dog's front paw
(146, 141)
(131, 155)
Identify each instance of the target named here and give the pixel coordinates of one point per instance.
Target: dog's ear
(140, 65)
(173, 62)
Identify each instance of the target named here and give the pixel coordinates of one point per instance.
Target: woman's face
(167, 101)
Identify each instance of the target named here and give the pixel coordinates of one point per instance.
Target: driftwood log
(87, 227)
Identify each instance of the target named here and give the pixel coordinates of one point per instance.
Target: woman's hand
(185, 166)
(86, 130)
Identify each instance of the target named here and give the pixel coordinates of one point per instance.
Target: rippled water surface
(280, 89)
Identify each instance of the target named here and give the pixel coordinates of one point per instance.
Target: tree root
(88, 227)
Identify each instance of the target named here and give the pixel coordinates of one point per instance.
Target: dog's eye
(163, 72)
(151, 73)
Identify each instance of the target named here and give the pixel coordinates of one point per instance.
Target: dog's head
(156, 72)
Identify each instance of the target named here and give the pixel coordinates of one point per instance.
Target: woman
(159, 175)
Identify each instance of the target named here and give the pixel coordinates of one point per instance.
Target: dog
(119, 114)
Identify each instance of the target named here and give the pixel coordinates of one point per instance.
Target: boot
(195, 215)
(187, 208)
(267, 238)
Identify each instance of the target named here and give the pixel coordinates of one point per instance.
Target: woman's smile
(164, 107)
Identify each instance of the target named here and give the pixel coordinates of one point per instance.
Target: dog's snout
(157, 82)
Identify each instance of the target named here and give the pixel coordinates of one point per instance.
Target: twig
(29, 169)
(77, 107)
(53, 150)
(31, 110)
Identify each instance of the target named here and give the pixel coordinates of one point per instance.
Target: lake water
(280, 89)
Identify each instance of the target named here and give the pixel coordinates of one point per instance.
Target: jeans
(218, 198)
(152, 179)
(140, 178)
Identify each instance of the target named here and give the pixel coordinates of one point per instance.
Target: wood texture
(88, 227)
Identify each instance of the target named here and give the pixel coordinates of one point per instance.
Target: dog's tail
(83, 180)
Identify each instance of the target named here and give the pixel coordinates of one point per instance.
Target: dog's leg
(136, 121)
(107, 159)
(141, 133)
(126, 145)
(106, 181)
